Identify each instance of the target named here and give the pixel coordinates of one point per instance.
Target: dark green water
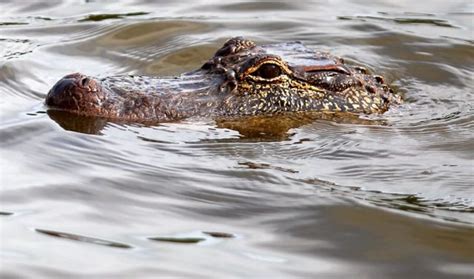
(392, 198)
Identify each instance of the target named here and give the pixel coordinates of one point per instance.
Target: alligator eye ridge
(268, 71)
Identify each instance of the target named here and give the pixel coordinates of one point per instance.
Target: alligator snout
(75, 92)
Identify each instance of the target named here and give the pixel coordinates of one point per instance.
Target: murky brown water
(384, 197)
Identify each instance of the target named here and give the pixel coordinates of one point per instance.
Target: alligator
(241, 79)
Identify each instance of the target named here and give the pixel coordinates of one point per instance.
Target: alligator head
(241, 79)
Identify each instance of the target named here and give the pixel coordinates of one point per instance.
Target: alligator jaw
(136, 98)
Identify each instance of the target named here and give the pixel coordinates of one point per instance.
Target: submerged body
(241, 79)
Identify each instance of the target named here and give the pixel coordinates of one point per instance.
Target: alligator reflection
(82, 124)
(274, 127)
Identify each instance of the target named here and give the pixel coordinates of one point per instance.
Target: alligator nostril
(84, 82)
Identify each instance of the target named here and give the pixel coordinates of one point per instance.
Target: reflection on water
(274, 127)
(299, 195)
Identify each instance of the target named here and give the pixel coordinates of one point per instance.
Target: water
(378, 197)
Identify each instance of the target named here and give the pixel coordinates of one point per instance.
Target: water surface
(386, 196)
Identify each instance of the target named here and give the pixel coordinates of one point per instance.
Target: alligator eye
(268, 71)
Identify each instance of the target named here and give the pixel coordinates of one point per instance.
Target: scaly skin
(241, 79)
